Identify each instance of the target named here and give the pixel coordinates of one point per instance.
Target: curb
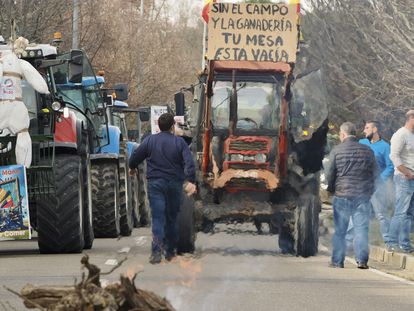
(393, 259)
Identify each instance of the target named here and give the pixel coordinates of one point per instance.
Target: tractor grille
(247, 183)
(241, 145)
(245, 165)
(40, 177)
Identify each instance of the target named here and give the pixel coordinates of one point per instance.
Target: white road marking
(124, 250)
(111, 262)
(390, 276)
(140, 241)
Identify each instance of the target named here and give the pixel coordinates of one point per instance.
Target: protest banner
(253, 32)
(14, 206)
(156, 111)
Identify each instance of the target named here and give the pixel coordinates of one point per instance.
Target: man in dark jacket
(351, 175)
(169, 163)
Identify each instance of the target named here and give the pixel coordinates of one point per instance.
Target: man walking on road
(402, 155)
(351, 173)
(169, 163)
(382, 199)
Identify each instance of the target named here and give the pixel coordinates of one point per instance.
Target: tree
(366, 49)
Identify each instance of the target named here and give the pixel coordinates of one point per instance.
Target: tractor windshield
(86, 96)
(119, 122)
(30, 100)
(258, 105)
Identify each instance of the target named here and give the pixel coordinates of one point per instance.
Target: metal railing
(40, 177)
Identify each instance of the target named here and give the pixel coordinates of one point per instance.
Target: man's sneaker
(155, 258)
(362, 265)
(407, 250)
(336, 265)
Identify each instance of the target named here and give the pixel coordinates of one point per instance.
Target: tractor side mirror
(179, 103)
(76, 66)
(121, 91)
(108, 100)
(144, 116)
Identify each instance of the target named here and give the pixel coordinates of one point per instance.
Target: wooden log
(89, 295)
(32, 292)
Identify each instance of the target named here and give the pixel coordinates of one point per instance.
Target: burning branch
(89, 295)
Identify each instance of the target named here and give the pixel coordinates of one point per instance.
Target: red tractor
(258, 136)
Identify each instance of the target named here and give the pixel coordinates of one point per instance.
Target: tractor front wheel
(105, 200)
(60, 215)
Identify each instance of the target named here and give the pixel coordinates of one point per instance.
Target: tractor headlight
(56, 106)
(260, 158)
(249, 158)
(236, 157)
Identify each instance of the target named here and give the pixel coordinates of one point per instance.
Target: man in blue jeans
(402, 155)
(382, 200)
(350, 175)
(169, 163)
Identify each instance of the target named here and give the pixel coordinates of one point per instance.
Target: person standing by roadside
(350, 175)
(402, 155)
(382, 199)
(169, 163)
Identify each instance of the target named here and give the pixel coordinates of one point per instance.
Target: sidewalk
(388, 260)
(394, 259)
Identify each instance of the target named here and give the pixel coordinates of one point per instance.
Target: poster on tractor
(14, 205)
(156, 111)
(262, 32)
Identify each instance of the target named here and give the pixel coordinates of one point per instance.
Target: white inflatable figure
(14, 117)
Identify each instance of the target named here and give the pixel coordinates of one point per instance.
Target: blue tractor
(119, 200)
(129, 121)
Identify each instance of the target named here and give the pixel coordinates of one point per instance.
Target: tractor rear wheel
(144, 208)
(135, 201)
(60, 215)
(186, 225)
(125, 197)
(307, 225)
(105, 200)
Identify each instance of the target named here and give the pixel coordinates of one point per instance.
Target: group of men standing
(371, 173)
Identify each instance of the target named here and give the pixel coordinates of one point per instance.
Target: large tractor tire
(125, 197)
(105, 200)
(60, 216)
(144, 208)
(307, 225)
(88, 233)
(135, 201)
(187, 233)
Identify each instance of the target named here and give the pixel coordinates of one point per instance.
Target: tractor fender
(114, 145)
(131, 146)
(104, 156)
(66, 132)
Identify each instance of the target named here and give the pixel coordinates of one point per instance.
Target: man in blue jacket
(169, 163)
(383, 198)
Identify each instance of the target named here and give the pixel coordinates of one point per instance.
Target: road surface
(233, 269)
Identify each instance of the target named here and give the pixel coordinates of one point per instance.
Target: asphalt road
(233, 269)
